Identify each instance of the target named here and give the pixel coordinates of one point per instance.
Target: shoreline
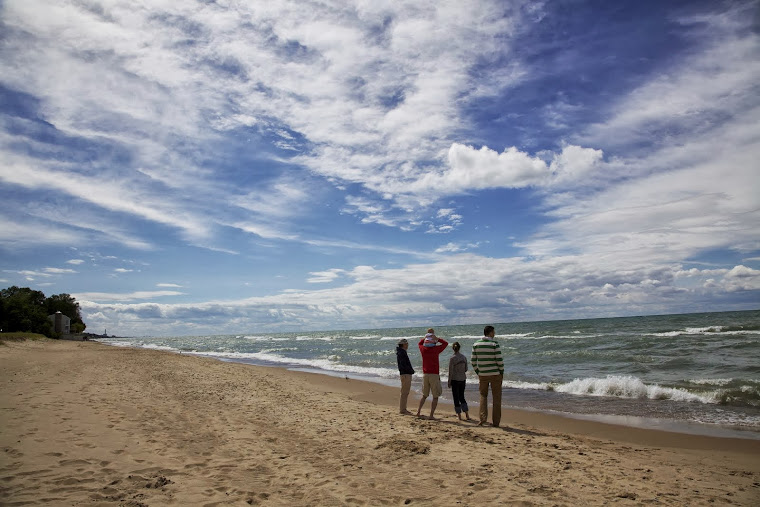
(592, 426)
(676, 426)
(94, 424)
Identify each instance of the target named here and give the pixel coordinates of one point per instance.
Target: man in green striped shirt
(488, 363)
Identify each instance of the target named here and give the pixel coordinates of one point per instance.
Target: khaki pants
(406, 386)
(495, 382)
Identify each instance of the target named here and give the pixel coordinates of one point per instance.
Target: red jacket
(430, 356)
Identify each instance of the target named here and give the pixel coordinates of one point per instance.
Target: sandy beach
(88, 424)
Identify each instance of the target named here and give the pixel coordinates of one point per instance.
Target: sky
(188, 167)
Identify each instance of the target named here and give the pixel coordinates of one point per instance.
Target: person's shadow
(473, 423)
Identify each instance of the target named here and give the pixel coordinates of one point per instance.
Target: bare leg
(422, 402)
(432, 407)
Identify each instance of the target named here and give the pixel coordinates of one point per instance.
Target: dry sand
(87, 424)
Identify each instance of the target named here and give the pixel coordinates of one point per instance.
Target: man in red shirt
(431, 380)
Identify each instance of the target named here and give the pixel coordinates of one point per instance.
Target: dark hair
(487, 330)
(456, 346)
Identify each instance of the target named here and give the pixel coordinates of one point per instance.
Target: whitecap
(632, 387)
(712, 381)
(323, 363)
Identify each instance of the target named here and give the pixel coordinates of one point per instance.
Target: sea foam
(631, 387)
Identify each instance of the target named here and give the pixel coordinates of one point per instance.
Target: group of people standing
(486, 360)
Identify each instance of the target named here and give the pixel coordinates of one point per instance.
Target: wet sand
(88, 424)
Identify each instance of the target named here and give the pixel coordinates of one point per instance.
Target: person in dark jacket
(406, 371)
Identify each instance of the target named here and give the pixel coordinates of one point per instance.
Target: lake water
(695, 373)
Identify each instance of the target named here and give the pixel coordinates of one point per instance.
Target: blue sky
(188, 167)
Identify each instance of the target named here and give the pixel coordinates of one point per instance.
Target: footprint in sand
(13, 453)
(69, 462)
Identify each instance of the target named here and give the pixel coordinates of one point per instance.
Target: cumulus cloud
(476, 169)
(742, 278)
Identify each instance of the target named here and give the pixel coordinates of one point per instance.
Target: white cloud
(76, 262)
(476, 169)
(367, 89)
(169, 285)
(369, 99)
(91, 297)
(325, 276)
(717, 81)
(105, 193)
(283, 198)
(18, 234)
(59, 271)
(30, 274)
(123, 270)
(264, 231)
(463, 288)
(696, 197)
(574, 164)
(742, 278)
(456, 247)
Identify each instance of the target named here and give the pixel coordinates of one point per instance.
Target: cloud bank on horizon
(186, 167)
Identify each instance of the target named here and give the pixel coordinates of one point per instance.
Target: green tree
(68, 306)
(24, 310)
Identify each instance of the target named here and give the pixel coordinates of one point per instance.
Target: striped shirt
(486, 357)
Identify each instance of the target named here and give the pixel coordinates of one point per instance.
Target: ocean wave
(463, 337)
(121, 343)
(397, 338)
(328, 363)
(521, 336)
(632, 387)
(711, 381)
(537, 386)
(728, 392)
(154, 346)
(712, 331)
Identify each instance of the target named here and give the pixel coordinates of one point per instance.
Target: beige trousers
(495, 382)
(406, 386)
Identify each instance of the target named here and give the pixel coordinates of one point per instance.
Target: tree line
(25, 310)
